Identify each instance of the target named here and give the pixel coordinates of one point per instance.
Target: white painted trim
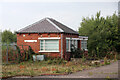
(68, 51)
(30, 40)
(75, 38)
(49, 38)
(48, 51)
(83, 39)
(86, 49)
(67, 38)
(54, 25)
(72, 38)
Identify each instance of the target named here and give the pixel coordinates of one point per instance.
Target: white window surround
(48, 51)
(83, 39)
(44, 44)
(30, 40)
(49, 38)
(67, 45)
(72, 38)
(86, 49)
(71, 41)
(84, 44)
(80, 38)
(76, 43)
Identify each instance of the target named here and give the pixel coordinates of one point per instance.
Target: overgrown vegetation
(103, 34)
(17, 55)
(49, 67)
(76, 52)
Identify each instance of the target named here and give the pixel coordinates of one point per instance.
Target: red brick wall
(36, 45)
(66, 55)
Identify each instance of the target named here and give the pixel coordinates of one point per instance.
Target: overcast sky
(16, 15)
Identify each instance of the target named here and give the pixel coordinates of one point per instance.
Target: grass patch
(30, 68)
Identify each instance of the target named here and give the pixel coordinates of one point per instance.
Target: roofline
(32, 24)
(44, 32)
(54, 25)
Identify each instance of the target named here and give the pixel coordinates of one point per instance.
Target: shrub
(30, 52)
(15, 54)
(106, 62)
(76, 52)
(12, 55)
(68, 70)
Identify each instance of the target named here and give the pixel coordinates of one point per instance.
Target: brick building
(51, 37)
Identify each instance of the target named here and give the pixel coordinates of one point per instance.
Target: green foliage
(8, 37)
(68, 70)
(30, 52)
(103, 34)
(56, 61)
(106, 61)
(19, 56)
(76, 52)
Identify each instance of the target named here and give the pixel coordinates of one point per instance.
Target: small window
(83, 44)
(67, 45)
(70, 42)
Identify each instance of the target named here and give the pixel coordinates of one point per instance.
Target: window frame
(84, 44)
(44, 42)
(71, 41)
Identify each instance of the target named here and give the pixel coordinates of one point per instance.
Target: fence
(12, 53)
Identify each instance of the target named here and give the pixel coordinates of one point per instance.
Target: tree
(8, 36)
(102, 33)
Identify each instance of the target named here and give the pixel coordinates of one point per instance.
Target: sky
(18, 14)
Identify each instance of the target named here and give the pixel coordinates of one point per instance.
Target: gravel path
(100, 72)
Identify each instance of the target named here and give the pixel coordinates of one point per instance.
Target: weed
(90, 73)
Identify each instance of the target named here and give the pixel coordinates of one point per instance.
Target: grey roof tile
(47, 25)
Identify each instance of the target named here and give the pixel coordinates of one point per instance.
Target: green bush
(76, 52)
(24, 54)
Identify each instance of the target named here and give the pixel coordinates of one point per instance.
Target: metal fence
(13, 53)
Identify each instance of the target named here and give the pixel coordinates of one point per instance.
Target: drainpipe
(61, 46)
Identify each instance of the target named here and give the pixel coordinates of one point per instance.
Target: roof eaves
(38, 32)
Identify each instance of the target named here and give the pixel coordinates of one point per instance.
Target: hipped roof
(47, 25)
